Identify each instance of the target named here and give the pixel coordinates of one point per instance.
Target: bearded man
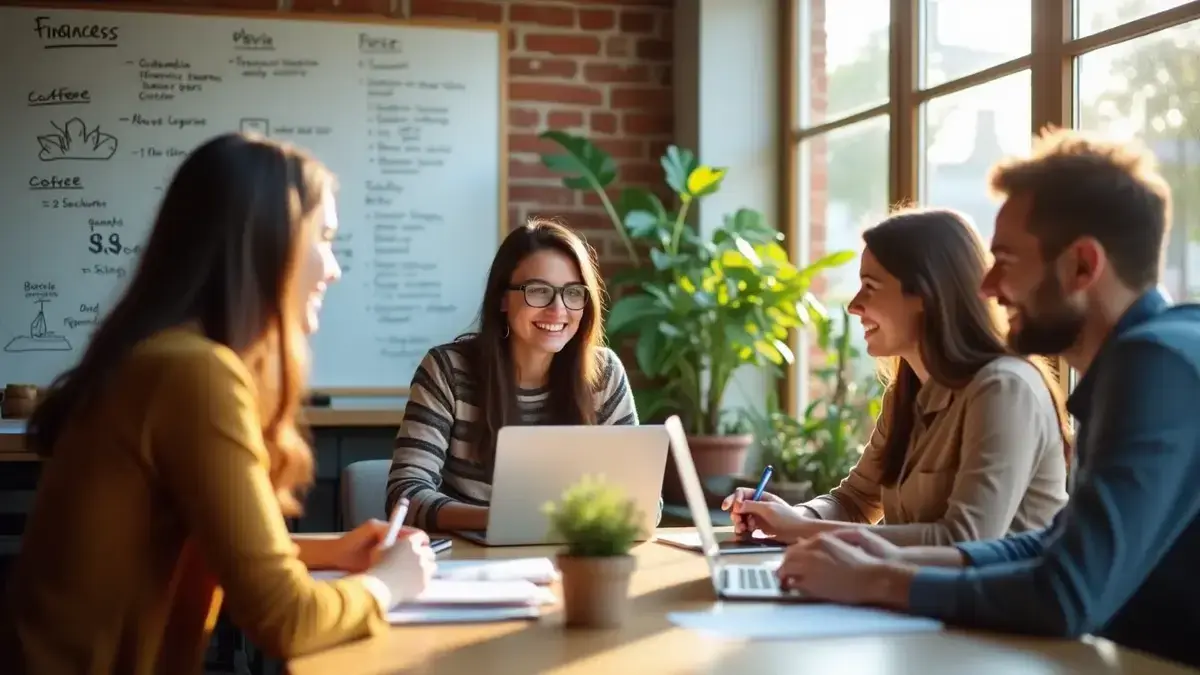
(1078, 251)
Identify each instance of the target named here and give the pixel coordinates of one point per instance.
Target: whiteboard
(104, 105)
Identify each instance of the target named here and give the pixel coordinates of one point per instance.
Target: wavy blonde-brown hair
(222, 256)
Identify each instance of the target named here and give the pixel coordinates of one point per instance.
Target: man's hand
(829, 567)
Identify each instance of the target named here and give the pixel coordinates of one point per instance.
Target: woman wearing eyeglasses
(537, 358)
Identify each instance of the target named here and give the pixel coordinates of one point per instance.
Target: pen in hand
(758, 492)
(398, 515)
(762, 482)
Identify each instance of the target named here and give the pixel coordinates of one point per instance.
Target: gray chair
(364, 491)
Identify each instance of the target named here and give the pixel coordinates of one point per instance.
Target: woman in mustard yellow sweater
(173, 451)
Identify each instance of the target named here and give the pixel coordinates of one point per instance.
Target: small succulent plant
(596, 519)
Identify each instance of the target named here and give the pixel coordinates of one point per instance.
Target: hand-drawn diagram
(75, 141)
(40, 338)
(256, 125)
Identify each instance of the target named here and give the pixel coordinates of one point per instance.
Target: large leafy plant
(820, 448)
(595, 518)
(697, 307)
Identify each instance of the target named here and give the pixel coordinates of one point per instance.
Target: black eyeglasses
(540, 294)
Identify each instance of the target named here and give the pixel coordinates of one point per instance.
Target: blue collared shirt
(1122, 559)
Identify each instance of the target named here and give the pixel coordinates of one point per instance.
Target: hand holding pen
(406, 562)
(758, 510)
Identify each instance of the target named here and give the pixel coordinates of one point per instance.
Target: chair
(364, 491)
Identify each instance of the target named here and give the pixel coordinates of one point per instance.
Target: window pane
(843, 188)
(1149, 88)
(966, 36)
(844, 57)
(964, 134)
(1093, 16)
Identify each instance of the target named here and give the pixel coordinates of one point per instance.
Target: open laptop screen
(692, 489)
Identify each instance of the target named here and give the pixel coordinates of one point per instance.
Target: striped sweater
(434, 462)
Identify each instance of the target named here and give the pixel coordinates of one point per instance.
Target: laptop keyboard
(749, 577)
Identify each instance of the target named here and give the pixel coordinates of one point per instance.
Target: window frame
(1051, 61)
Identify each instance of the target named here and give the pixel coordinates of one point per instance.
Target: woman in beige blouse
(972, 442)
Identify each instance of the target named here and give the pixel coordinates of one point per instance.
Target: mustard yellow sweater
(155, 506)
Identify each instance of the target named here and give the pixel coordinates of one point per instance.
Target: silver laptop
(731, 581)
(536, 464)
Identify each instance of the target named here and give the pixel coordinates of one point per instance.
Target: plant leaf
(590, 166)
(704, 180)
(641, 223)
(661, 259)
(831, 260)
(647, 352)
(637, 199)
(678, 164)
(747, 251)
(630, 311)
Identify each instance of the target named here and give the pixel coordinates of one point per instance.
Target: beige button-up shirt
(983, 462)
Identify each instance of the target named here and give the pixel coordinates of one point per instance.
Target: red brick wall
(598, 67)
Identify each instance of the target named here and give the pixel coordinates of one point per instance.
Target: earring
(506, 331)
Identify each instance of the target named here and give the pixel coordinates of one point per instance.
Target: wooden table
(670, 579)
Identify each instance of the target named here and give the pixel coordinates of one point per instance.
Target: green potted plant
(695, 308)
(811, 455)
(600, 526)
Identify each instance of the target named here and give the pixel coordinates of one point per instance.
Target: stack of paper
(467, 591)
(536, 570)
(484, 593)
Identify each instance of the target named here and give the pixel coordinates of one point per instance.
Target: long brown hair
(575, 372)
(222, 256)
(938, 257)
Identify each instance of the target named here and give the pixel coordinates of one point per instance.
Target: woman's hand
(770, 514)
(406, 567)
(359, 549)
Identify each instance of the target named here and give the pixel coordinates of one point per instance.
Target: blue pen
(762, 482)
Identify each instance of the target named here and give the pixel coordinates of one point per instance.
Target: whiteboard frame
(501, 30)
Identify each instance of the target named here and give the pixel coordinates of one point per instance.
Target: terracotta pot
(595, 589)
(713, 456)
(19, 401)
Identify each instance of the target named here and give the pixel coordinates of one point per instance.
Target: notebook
(540, 571)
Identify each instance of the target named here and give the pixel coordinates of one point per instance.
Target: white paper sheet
(537, 570)
(470, 592)
(450, 592)
(792, 621)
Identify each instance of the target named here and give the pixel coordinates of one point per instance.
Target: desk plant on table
(600, 524)
(695, 307)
